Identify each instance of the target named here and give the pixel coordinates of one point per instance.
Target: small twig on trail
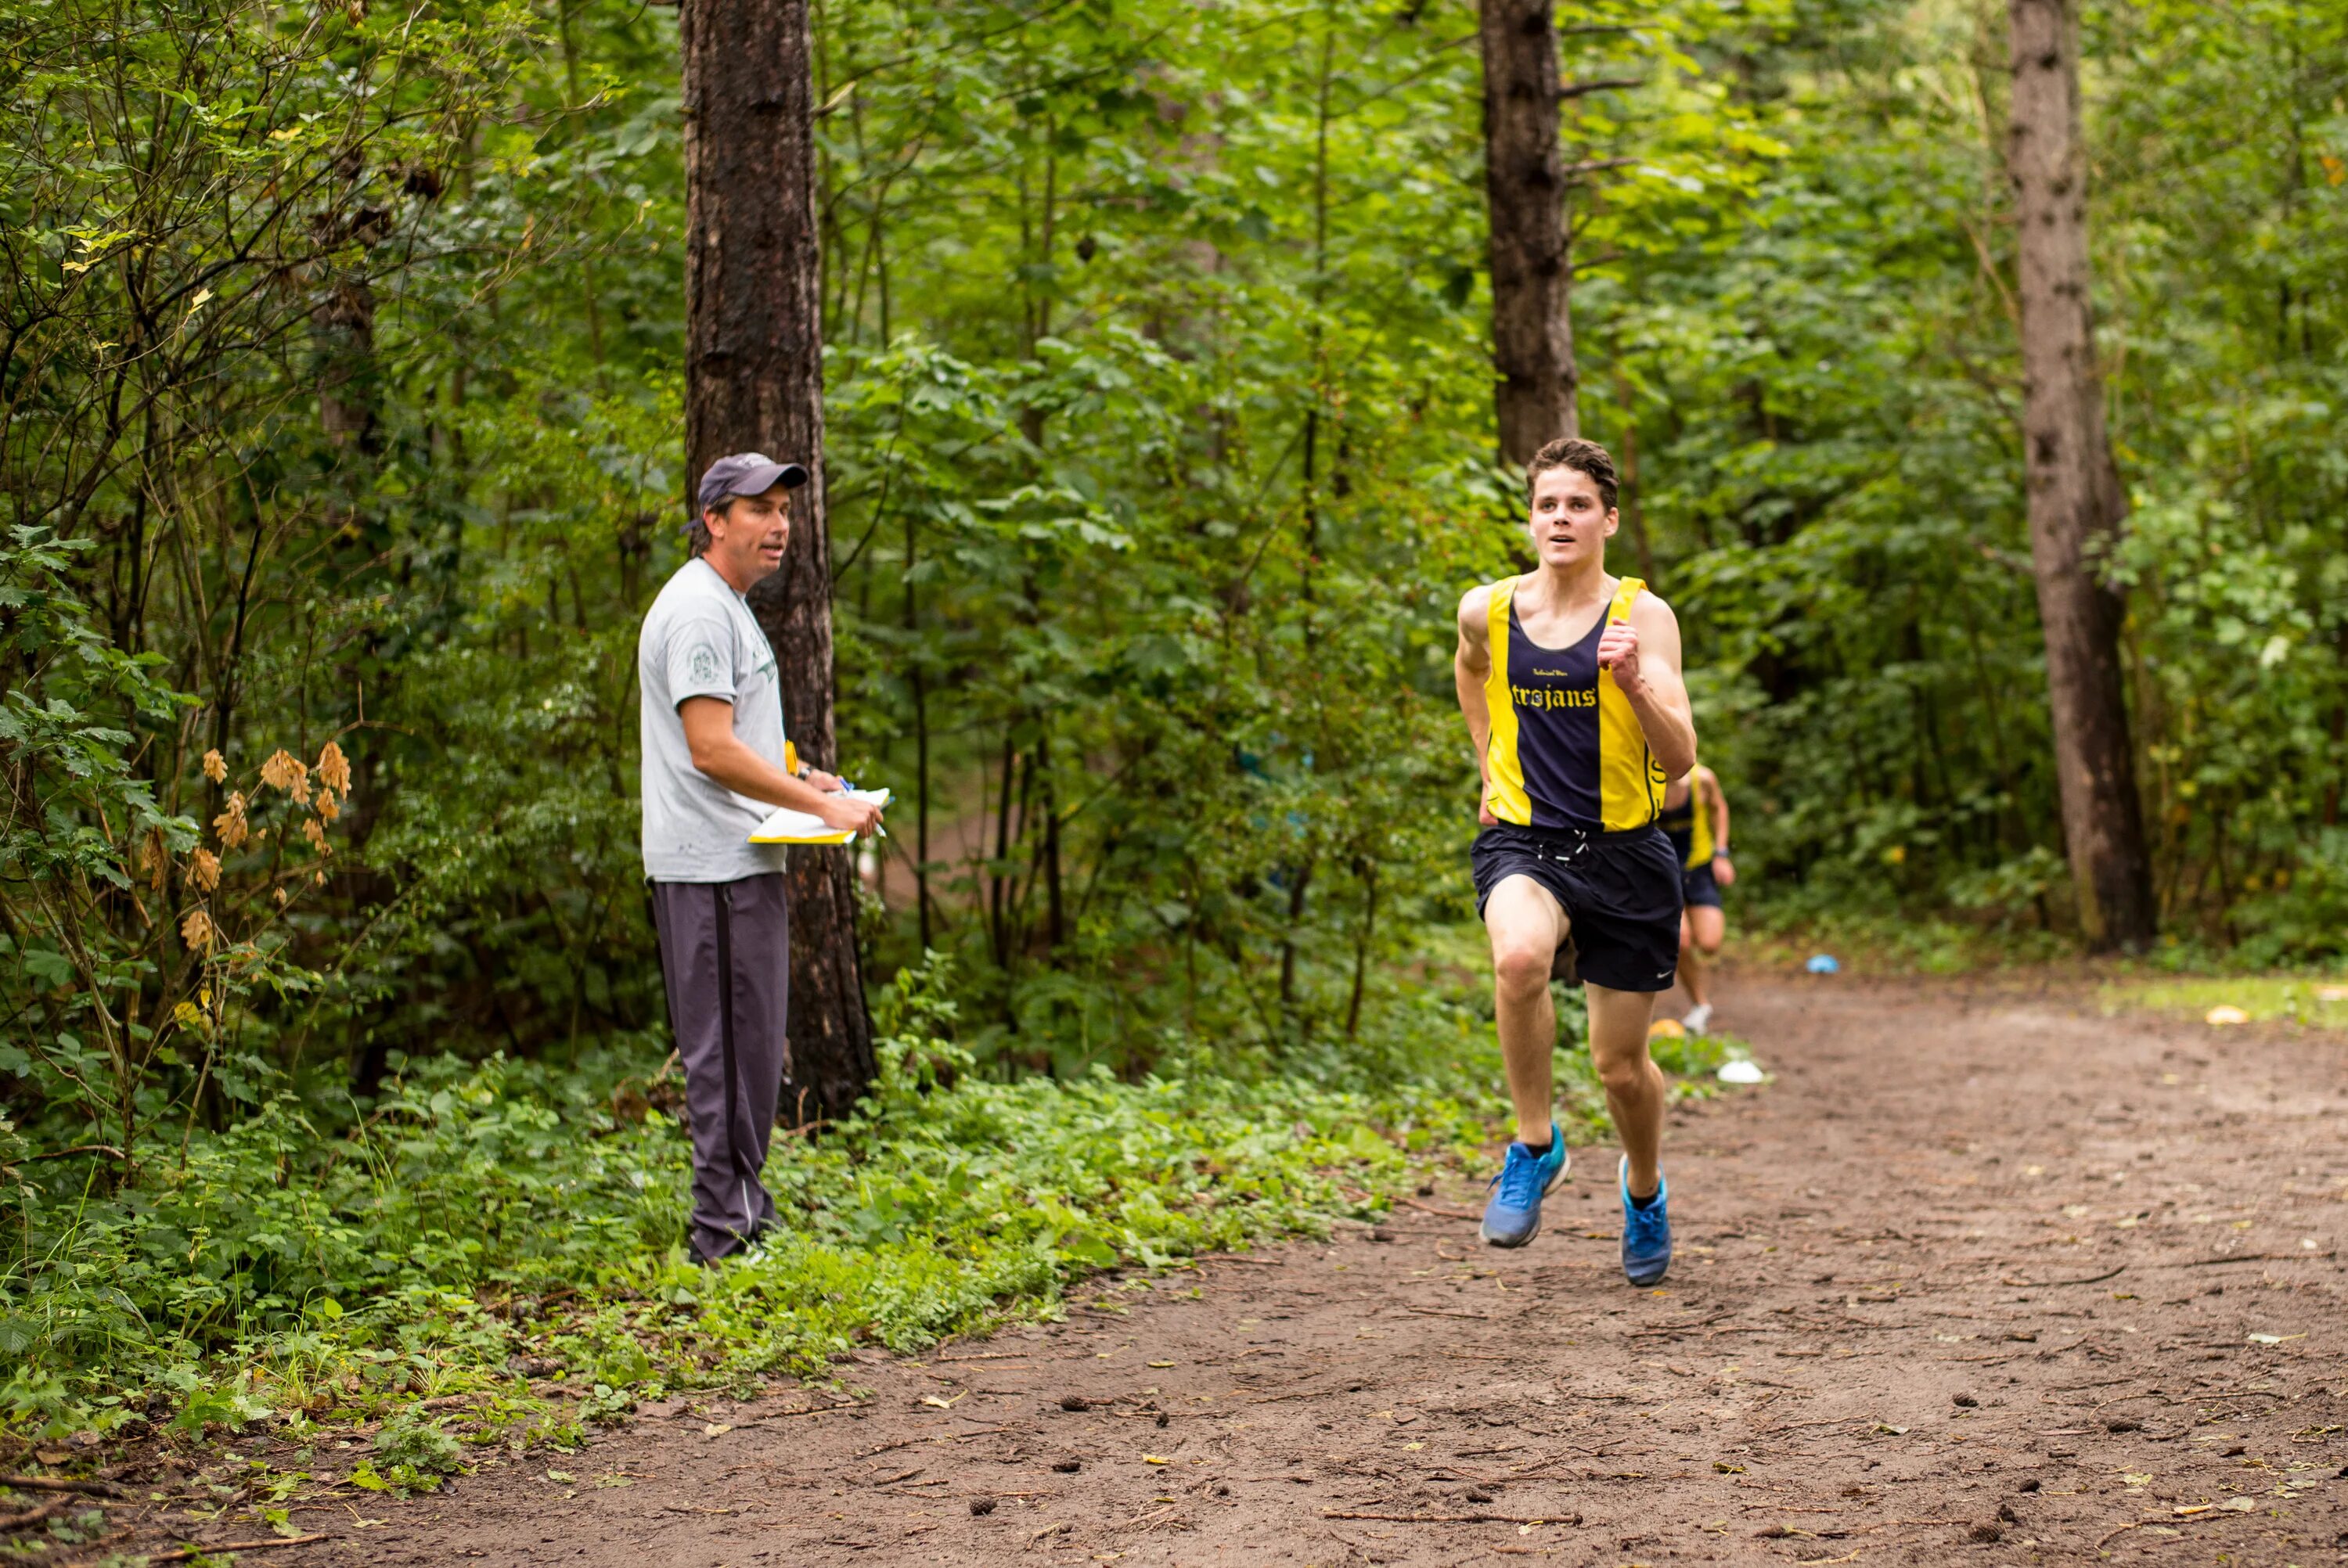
(1849, 1556)
(60, 1483)
(1431, 1209)
(938, 1437)
(809, 1411)
(1439, 1312)
(1799, 1425)
(1661, 1328)
(2056, 1284)
(188, 1553)
(1456, 1517)
(2249, 1257)
(2111, 1534)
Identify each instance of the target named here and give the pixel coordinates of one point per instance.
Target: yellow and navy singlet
(1566, 749)
(1689, 823)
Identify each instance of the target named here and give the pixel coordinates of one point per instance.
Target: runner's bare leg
(1691, 961)
(1526, 924)
(1635, 1084)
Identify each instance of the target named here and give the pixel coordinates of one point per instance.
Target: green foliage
(490, 1210)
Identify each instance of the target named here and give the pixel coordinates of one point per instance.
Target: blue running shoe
(1512, 1217)
(1646, 1232)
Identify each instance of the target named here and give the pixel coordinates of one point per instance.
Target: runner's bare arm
(1469, 667)
(1643, 652)
(1724, 869)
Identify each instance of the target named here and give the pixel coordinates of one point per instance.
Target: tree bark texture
(2075, 496)
(1524, 187)
(754, 381)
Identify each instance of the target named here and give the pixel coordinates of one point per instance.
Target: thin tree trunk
(920, 729)
(1634, 517)
(754, 381)
(2075, 502)
(1524, 186)
(1367, 869)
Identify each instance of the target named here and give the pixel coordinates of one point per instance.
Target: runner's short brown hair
(1583, 456)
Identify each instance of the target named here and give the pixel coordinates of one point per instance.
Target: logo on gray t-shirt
(700, 639)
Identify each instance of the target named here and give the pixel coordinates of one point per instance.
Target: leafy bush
(487, 1210)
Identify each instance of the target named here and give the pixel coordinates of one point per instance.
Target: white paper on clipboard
(789, 826)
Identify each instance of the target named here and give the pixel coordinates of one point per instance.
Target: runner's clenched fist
(1618, 649)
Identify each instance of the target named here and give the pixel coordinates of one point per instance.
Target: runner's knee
(1626, 1073)
(1522, 967)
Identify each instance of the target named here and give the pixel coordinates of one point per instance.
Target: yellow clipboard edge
(884, 794)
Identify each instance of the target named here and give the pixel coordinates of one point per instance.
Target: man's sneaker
(1696, 1018)
(1646, 1232)
(1513, 1216)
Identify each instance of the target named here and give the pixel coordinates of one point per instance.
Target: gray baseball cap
(747, 474)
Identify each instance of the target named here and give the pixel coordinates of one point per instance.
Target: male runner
(1570, 681)
(1695, 817)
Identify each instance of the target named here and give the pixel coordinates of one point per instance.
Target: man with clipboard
(715, 764)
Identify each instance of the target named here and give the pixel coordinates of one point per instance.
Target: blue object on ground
(1512, 1217)
(1646, 1231)
(1822, 964)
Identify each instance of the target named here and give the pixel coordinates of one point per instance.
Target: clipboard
(785, 826)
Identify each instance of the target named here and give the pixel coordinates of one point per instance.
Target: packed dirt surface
(1979, 1277)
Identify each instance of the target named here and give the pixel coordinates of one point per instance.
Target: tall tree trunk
(754, 381)
(1524, 187)
(2075, 502)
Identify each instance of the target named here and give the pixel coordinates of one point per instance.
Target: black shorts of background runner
(1620, 891)
(1698, 886)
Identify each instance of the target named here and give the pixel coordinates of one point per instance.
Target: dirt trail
(1981, 1277)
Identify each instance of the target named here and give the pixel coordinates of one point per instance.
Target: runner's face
(747, 540)
(1571, 522)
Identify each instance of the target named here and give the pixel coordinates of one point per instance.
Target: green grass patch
(2315, 1002)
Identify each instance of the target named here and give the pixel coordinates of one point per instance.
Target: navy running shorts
(1698, 886)
(1620, 891)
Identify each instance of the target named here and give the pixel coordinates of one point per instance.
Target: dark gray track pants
(726, 955)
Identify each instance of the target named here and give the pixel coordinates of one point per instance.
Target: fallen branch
(1456, 1517)
(809, 1411)
(188, 1553)
(938, 1438)
(34, 1515)
(1664, 1328)
(2249, 1257)
(1431, 1209)
(60, 1483)
(1439, 1312)
(2057, 1284)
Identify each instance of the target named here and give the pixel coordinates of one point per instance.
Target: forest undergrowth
(508, 1235)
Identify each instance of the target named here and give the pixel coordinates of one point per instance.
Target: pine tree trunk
(1524, 185)
(2075, 501)
(754, 381)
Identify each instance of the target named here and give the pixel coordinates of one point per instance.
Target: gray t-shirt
(700, 639)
